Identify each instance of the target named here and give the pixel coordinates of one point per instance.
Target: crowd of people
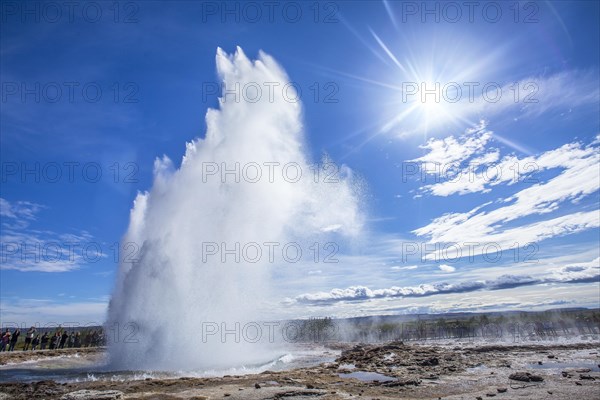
(60, 339)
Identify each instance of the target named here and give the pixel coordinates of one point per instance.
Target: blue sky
(135, 85)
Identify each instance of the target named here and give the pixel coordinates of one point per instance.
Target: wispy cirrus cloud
(477, 169)
(25, 249)
(452, 175)
(18, 214)
(29, 311)
(525, 98)
(536, 95)
(453, 151)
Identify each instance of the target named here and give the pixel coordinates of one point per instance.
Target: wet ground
(373, 371)
(22, 356)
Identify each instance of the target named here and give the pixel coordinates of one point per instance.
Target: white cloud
(484, 172)
(25, 249)
(488, 158)
(408, 267)
(529, 97)
(568, 89)
(18, 311)
(19, 214)
(446, 268)
(535, 96)
(580, 177)
(451, 151)
(486, 240)
(580, 273)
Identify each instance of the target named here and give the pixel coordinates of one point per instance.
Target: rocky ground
(384, 371)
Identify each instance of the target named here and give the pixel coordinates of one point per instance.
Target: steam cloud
(168, 292)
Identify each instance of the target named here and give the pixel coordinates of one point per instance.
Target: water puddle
(478, 368)
(347, 366)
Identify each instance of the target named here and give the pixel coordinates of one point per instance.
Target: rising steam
(166, 287)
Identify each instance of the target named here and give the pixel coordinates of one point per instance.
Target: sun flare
(434, 84)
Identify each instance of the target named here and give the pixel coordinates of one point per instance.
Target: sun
(435, 82)
(427, 103)
(432, 108)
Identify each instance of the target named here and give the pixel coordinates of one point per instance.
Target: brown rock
(525, 377)
(93, 395)
(429, 362)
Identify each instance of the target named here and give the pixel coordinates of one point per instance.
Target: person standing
(54, 341)
(44, 341)
(35, 342)
(29, 337)
(5, 340)
(14, 339)
(63, 340)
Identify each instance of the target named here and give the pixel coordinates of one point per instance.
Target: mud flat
(374, 371)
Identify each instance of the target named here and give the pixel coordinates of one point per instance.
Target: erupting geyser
(169, 286)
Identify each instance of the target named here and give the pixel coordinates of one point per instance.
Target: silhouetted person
(14, 338)
(44, 341)
(5, 340)
(71, 340)
(63, 340)
(54, 341)
(35, 342)
(29, 337)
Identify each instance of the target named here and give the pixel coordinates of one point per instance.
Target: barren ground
(394, 371)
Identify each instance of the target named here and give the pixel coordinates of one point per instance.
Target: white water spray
(166, 295)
